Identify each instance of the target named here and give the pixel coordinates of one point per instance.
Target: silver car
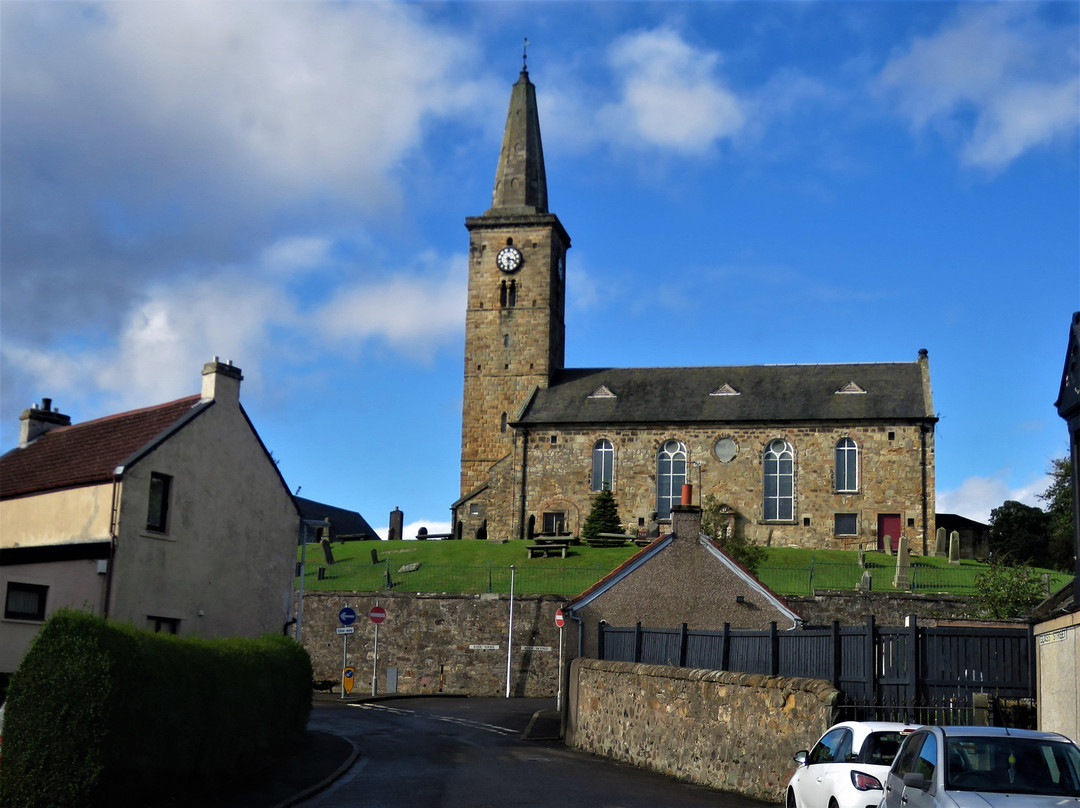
(984, 767)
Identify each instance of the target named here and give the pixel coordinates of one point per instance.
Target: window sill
(24, 621)
(150, 534)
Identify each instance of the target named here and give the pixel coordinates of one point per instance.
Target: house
(681, 577)
(344, 525)
(171, 518)
(834, 456)
(974, 536)
(1057, 623)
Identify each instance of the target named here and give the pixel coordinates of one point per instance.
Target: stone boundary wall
(888, 608)
(730, 731)
(452, 644)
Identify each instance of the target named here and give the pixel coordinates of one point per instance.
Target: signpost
(376, 615)
(346, 617)
(560, 621)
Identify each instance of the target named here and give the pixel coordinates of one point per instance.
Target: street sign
(560, 621)
(377, 614)
(347, 680)
(346, 629)
(347, 616)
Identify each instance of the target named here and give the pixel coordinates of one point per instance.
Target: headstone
(866, 583)
(374, 556)
(397, 524)
(862, 559)
(954, 547)
(941, 548)
(888, 545)
(328, 554)
(903, 565)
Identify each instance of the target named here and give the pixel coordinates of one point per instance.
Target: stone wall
(454, 644)
(692, 724)
(889, 608)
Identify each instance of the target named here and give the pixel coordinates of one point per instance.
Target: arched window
(603, 465)
(511, 299)
(847, 466)
(502, 426)
(670, 476)
(502, 294)
(779, 482)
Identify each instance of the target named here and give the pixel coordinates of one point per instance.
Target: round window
(725, 449)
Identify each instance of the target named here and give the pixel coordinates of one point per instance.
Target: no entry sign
(560, 621)
(377, 614)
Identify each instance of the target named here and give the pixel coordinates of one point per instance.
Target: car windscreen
(1012, 765)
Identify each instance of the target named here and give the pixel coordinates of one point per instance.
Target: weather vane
(525, 55)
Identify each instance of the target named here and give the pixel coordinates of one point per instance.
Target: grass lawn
(470, 566)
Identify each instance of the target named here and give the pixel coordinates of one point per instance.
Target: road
(468, 753)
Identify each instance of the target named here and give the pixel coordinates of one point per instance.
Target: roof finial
(525, 56)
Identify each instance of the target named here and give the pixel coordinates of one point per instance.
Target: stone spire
(520, 182)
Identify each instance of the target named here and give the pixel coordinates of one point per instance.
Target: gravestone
(940, 548)
(328, 554)
(866, 583)
(903, 565)
(954, 547)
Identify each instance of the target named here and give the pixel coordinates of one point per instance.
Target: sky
(285, 184)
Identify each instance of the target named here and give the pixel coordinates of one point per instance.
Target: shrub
(101, 714)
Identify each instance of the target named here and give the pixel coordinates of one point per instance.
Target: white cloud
(414, 313)
(995, 76)
(977, 496)
(671, 97)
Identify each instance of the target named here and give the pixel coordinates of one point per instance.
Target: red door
(888, 524)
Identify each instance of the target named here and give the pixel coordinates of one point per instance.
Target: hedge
(100, 713)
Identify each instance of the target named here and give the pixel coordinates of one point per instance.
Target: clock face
(508, 259)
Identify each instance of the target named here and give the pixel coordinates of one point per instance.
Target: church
(836, 456)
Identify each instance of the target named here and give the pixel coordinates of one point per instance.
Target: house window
(847, 466)
(474, 509)
(157, 514)
(25, 601)
(603, 465)
(779, 482)
(670, 477)
(163, 625)
(847, 524)
(555, 522)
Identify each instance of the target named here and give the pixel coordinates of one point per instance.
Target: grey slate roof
(343, 522)
(893, 391)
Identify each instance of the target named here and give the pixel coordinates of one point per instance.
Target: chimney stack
(39, 419)
(221, 381)
(686, 521)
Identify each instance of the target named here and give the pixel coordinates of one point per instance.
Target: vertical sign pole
(510, 633)
(344, 658)
(558, 693)
(375, 665)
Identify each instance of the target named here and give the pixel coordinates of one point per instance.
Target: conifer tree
(603, 516)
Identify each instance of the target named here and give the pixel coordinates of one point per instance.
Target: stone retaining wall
(730, 731)
(454, 644)
(889, 608)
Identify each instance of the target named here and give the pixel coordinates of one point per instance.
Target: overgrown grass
(476, 566)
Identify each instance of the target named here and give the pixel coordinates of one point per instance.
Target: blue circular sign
(347, 616)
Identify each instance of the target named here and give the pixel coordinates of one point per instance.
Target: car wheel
(791, 799)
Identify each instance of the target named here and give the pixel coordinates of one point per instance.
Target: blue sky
(285, 185)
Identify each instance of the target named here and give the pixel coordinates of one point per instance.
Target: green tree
(720, 522)
(1020, 532)
(603, 516)
(1005, 592)
(1059, 510)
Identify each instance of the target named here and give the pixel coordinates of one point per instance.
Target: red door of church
(888, 524)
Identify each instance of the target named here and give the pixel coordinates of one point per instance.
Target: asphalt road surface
(469, 753)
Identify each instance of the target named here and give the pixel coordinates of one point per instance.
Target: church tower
(514, 329)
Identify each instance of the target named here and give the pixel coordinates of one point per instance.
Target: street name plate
(536, 648)
(346, 629)
(483, 648)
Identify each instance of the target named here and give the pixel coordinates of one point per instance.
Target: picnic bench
(546, 550)
(609, 540)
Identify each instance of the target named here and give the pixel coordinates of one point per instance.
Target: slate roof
(88, 453)
(874, 391)
(342, 522)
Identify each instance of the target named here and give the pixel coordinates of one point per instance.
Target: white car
(984, 767)
(847, 767)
